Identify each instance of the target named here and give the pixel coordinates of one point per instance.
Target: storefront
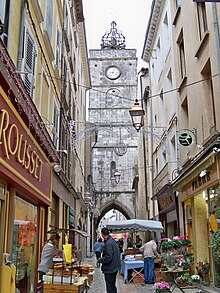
(25, 180)
(199, 197)
(167, 211)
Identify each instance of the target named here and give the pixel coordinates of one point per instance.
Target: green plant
(216, 246)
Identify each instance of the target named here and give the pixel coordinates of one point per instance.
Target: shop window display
(214, 195)
(24, 244)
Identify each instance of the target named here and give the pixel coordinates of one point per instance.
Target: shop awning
(135, 225)
(63, 230)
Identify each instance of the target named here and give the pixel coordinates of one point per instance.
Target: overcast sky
(131, 18)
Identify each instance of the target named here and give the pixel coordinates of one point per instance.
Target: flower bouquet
(161, 287)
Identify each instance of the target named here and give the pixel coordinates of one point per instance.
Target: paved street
(98, 284)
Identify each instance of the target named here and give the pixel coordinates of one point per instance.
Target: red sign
(20, 154)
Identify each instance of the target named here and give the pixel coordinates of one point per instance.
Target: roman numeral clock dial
(113, 72)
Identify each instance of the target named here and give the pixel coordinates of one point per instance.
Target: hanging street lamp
(137, 115)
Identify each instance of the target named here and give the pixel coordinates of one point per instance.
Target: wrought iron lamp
(137, 115)
(117, 176)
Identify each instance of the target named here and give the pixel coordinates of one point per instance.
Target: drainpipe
(151, 144)
(217, 39)
(144, 72)
(21, 38)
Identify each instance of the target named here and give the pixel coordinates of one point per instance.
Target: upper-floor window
(49, 18)
(58, 48)
(2, 11)
(202, 19)
(55, 125)
(182, 59)
(112, 169)
(29, 63)
(166, 35)
(178, 3)
(159, 59)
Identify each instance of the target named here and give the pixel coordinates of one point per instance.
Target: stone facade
(116, 147)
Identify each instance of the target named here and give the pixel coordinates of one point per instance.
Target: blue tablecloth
(129, 265)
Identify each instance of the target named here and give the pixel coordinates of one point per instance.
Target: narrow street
(98, 284)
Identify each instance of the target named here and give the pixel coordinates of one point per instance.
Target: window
(112, 170)
(162, 109)
(166, 35)
(170, 95)
(185, 114)
(2, 11)
(58, 49)
(159, 59)
(55, 125)
(49, 18)
(202, 19)
(29, 63)
(182, 59)
(178, 3)
(25, 243)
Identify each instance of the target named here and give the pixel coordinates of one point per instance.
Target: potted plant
(203, 267)
(195, 278)
(164, 267)
(161, 287)
(181, 281)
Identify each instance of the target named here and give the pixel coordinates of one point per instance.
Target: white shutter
(29, 63)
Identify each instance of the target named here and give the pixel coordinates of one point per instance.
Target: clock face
(113, 72)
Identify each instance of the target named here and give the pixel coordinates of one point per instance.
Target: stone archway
(116, 204)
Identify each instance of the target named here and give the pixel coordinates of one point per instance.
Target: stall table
(131, 265)
(79, 287)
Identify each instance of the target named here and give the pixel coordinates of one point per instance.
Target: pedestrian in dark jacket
(110, 261)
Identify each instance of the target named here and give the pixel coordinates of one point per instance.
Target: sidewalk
(98, 284)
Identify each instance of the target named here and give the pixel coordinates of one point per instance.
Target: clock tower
(113, 70)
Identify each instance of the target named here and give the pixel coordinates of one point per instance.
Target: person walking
(110, 261)
(149, 251)
(98, 248)
(48, 252)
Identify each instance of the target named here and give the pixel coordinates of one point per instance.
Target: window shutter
(29, 64)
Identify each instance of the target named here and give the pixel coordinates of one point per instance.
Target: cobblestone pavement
(98, 284)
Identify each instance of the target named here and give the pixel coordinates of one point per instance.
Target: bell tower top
(113, 38)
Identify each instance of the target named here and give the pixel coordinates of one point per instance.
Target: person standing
(48, 252)
(138, 241)
(149, 251)
(110, 261)
(98, 248)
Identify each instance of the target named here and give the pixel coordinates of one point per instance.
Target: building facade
(183, 64)
(44, 78)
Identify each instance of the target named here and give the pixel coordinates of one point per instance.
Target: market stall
(66, 275)
(132, 259)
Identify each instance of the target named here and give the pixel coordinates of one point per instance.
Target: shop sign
(20, 153)
(200, 181)
(165, 198)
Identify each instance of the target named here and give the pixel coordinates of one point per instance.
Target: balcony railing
(161, 179)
